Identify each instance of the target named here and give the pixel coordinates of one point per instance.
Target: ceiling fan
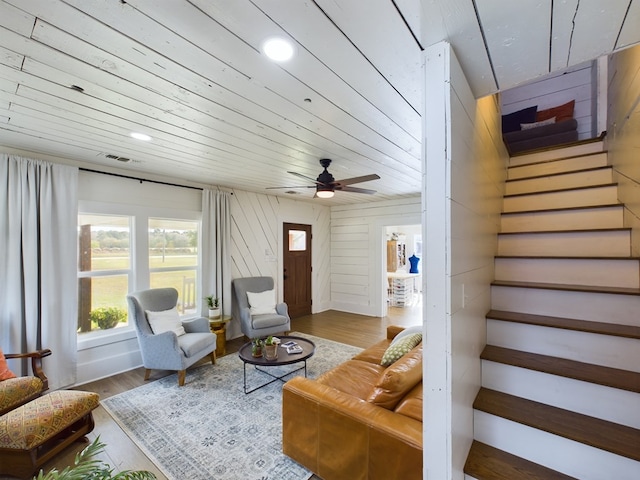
(326, 185)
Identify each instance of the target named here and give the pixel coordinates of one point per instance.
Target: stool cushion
(15, 391)
(34, 423)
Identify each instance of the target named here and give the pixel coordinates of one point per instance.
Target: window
(104, 271)
(109, 266)
(173, 259)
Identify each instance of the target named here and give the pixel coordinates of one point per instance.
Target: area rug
(209, 429)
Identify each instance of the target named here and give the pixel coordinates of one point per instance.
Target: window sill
(100, 338)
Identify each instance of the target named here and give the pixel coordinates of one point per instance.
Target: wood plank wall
(256, 237)
(357, 253)
(577, 83)
(465, 169)
(623, 134)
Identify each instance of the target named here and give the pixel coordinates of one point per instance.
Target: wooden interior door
(297, 268)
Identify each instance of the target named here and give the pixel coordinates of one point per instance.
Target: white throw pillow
(262, 302)
(165, 321)
(406, 332)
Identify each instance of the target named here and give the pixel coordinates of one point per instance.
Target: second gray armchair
(166, 342)
(259, 316)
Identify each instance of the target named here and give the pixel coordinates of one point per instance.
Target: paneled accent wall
(256, 237)
(358, 273)
(465, 169)
(623, 134)
(577, 83)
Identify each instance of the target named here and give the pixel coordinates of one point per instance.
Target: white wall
(623, 134)
(358, 252)
(256, 235)
(464, 173)
(578, 83)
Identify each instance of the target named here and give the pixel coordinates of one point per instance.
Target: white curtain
(216, 242)
(38, 263)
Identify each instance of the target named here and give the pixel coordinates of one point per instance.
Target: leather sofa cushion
(374, 353)
(353, 377)
(397, 380)
(411, 404)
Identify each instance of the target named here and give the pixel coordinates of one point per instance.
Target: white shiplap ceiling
(190, 74)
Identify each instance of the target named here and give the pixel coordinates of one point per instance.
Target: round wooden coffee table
(284, 358)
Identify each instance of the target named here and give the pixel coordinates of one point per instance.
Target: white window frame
(139, 238)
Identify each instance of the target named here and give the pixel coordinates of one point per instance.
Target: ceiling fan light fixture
(278, 49)
(324, 192)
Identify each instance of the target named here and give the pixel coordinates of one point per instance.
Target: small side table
(219, 327)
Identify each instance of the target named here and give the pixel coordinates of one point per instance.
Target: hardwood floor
(122, 454)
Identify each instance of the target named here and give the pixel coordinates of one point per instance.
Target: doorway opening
(403, 260)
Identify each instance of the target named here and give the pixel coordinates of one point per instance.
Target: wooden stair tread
(548, 257)
(567, 287)
(488, 463)
(559, 190)
(581, 207)
(584, 230)
(557, 174)
(560, 147)
(602, 328)
(586, 372)
(608, 436)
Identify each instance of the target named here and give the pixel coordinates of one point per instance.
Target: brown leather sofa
(359, 420)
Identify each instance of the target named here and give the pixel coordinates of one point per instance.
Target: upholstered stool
(33, 433)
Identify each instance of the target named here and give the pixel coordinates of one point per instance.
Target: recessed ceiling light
(278, 49)
(140, 136)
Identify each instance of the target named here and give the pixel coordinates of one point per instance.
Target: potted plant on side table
(214, 306)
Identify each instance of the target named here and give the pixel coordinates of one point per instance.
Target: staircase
(560, 394)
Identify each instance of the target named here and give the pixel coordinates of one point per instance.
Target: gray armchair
(260, 325)
(167, 350)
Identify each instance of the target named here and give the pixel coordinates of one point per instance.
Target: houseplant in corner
(214, 306)
(86, 467)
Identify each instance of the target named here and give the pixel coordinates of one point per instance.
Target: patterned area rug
(209, 429)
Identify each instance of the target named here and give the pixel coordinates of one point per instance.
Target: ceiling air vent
(120, 159)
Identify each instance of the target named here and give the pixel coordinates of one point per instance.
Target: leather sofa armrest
(393, 330)
(337, 435)
(409, 430)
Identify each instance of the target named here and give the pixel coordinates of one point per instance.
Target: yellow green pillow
(397, 349)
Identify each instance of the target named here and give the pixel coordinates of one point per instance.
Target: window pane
(172, 243)
(102, 302)
(104, 242)
(103, 247)
(184, 281)
(297, 240)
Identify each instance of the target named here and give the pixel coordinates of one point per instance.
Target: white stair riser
(614, 243)
(585, 271)
(558, 453)
(526, 170)
(585, 150)
(583, 219)
(611, 404)
(557, 182)
(606, 350)
(584, 197)
(598, 307)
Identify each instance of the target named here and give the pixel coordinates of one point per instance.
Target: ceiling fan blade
(364, 178)
(295, 186)
(306, 178)
(355, 190)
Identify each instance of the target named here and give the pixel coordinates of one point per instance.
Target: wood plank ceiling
(77, 77)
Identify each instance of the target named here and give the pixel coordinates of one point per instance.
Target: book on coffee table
(293, 347)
